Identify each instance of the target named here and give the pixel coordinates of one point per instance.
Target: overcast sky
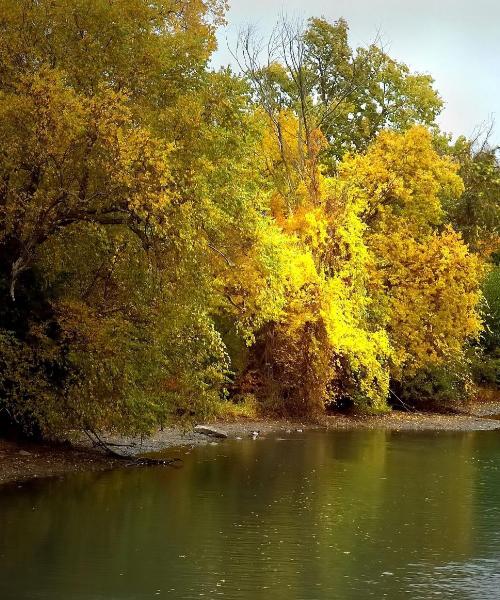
(456, 41)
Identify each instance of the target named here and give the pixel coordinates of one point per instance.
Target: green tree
(477, 213)
(351, 95)
(128, 203)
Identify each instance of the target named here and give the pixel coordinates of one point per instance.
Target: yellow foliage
(424, 281)
(432, 292)
(323, 347)
(261, 282)
(402, 176)
(73, 157)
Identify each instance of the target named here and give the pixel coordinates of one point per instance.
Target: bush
(486, 369)
(438, 387)
(491, 291)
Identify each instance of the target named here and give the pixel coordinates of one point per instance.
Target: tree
(350, 95)
(168, 232)
(425, 281)
(321, 349)
(127, 202)
(477, 214)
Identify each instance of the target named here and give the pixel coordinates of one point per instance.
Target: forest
(179, 242)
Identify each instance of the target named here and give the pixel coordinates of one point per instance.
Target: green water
(343, 515)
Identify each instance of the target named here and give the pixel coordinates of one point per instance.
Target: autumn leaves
(186, 234)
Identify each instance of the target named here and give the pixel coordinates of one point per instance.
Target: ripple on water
(341, 515)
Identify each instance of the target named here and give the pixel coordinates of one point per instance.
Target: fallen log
(129, 458)
(210, 431)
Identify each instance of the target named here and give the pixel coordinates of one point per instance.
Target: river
(308, 516)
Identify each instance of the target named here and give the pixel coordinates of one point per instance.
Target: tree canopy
(175, 240)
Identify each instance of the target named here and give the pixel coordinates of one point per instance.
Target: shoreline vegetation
(24, 461)
(290, 235)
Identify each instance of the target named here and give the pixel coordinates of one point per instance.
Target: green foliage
(485, 369)
(491, 291)
(486, 359)
(436, 387)
(364, 91)
(477, 213)
(351, 95)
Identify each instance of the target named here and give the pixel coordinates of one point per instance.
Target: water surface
(314, 516)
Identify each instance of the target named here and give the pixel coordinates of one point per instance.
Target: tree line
(183, 242)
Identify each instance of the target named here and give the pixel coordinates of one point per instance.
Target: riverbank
(21, 461)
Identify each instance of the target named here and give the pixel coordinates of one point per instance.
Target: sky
(456, 41)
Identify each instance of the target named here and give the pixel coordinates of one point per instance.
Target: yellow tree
(322, 348)
(424, 281)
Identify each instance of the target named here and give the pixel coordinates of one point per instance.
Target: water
(317, 516)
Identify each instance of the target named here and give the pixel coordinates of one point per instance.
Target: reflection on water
(342, 515)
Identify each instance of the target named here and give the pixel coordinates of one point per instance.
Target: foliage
(116, 210)
(477, 216)
(171, 235)
(491, 290)
(437, 387)
(426, 283)
(477, 213)
(322, 348)
(351, 95)
(486, 358)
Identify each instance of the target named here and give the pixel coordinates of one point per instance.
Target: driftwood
(97, 442)
(210, 431)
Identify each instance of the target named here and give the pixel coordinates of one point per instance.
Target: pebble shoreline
(21, 462)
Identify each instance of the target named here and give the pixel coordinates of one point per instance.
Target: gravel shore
(20, 462)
